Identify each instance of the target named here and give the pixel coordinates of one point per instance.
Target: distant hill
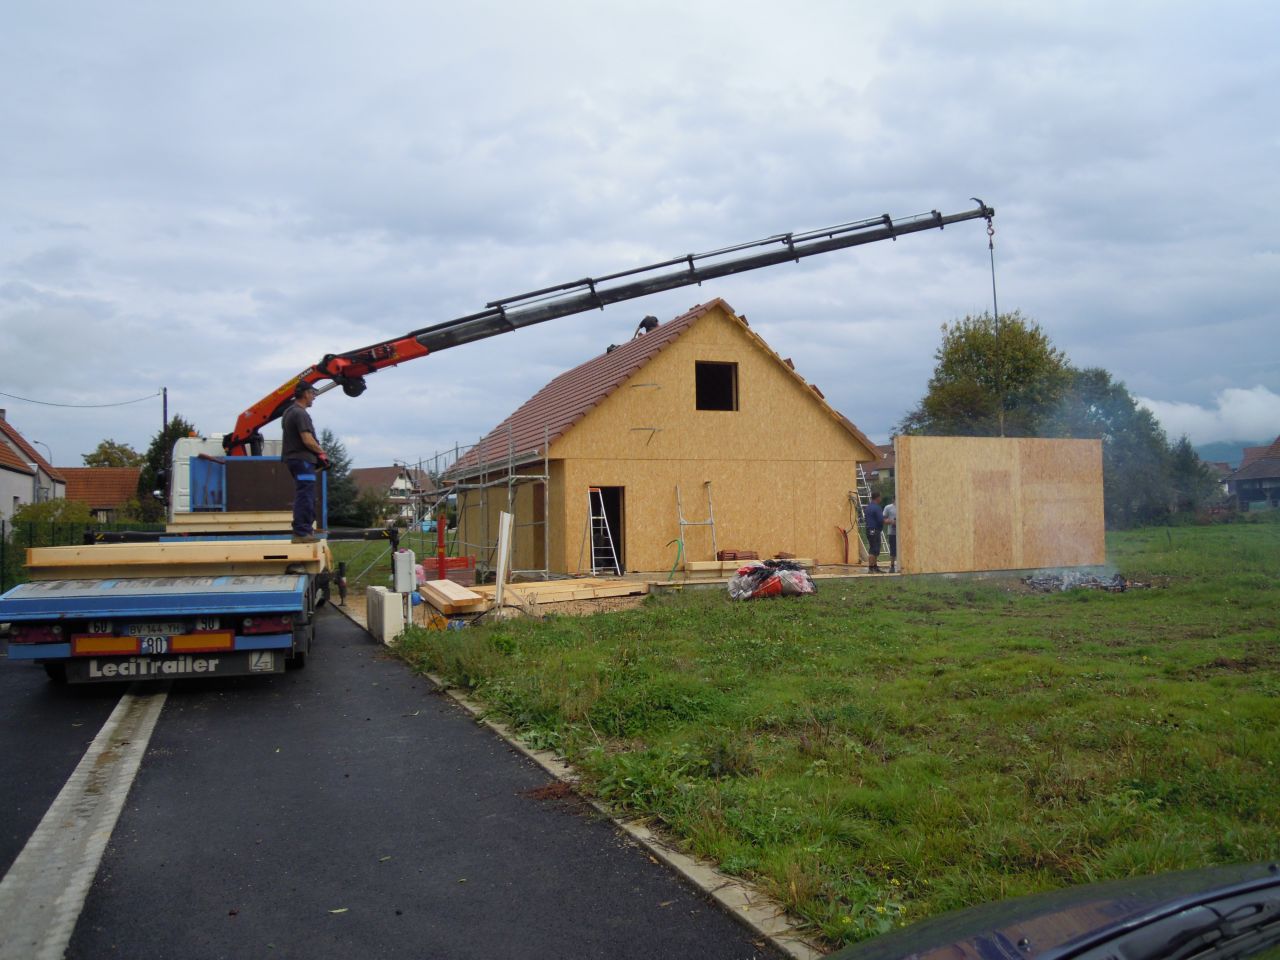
(1231, 451)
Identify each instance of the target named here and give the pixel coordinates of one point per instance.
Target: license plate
(154, 629)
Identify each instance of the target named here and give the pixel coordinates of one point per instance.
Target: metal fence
(17, 538)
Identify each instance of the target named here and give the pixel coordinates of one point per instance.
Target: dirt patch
(561, 795)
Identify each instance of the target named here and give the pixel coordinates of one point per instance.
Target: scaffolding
(483, 479)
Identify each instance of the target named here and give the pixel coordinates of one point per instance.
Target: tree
(157, 465)
(341, 488)
(1194, 484)
(111, 454)
(1135, 450)
(371, 508)
(58, 510)
(994, 377)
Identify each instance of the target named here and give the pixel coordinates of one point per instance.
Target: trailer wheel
(56, 672)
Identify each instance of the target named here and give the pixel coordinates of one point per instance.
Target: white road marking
(42, 894)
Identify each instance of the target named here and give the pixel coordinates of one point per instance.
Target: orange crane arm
(348, 370)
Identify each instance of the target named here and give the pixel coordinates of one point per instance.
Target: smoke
(1236, 414)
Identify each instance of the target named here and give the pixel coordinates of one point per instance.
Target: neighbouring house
(691, 439)
(104, 490)
(25, 476)
(884, 466)
(1256, 485)
(408, 489)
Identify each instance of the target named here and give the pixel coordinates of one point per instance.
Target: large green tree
(995, 376)
(156, 468)
(1137, 487)
(1194, 483)
(343, 509)
(1004, 378)
(108, 453)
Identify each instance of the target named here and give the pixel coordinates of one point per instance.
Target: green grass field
(893, 748)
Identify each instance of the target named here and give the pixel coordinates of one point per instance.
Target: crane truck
(223, 590)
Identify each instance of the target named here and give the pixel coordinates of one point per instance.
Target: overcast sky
(210, 197)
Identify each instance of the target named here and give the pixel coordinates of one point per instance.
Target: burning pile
(1070, 580)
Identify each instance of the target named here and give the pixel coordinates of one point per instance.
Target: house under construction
(691, 439)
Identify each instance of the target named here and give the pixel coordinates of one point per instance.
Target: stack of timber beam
(727, 568)
(449, 597)
(558, 591)
(238, 521)
(204, 558)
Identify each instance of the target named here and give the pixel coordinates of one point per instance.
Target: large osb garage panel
(970, 503)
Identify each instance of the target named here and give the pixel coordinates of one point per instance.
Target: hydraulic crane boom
(348, 370)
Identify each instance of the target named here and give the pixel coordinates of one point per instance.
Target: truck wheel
(296, 662)
(57, 672)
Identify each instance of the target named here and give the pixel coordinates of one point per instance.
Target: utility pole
(164, 392)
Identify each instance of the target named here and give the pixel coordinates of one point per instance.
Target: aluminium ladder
(604, 556)
(859, 501)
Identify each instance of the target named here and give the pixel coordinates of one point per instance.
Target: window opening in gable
(716, 385)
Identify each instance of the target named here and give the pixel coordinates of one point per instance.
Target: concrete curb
(747, 904)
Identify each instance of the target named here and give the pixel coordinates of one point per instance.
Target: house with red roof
(25, 476)
(692, 439)
(408, 490)
(104, 490)
(1256, 485)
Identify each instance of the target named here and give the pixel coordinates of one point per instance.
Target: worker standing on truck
(304, 457)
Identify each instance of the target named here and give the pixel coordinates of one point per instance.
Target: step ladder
(709, 522)
(604, 556)
(859, 500)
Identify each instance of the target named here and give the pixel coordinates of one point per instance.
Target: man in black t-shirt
(304, 456)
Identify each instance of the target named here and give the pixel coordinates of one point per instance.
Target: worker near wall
(875, 525)
(891, 532)
(304, 457)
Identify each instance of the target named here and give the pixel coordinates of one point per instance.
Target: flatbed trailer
(110, 612)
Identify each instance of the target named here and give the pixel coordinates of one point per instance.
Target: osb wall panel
(781, 465)
(766, 507)
(478, 521)
(653, 416)
(968, 503)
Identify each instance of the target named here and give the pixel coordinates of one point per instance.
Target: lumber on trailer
(232, 521)
(449, 597)
(201, 558)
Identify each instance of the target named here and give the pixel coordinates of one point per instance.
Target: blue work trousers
(304, 496)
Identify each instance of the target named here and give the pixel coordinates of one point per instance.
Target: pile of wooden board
(449, 597)
(452, 599)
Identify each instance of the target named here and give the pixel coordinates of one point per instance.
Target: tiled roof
(102, 488)
(11, 461)
(1259, 462)
(886, 460)
(28, 451)
(553, 410)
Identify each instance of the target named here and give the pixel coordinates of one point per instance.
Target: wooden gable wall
(780, 466)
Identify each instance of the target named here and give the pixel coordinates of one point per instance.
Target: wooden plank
(449, 597)
(205, 558)
(223, 520)
(137, 570)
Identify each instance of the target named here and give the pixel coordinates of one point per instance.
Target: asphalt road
(340, 811)
(44, 731)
